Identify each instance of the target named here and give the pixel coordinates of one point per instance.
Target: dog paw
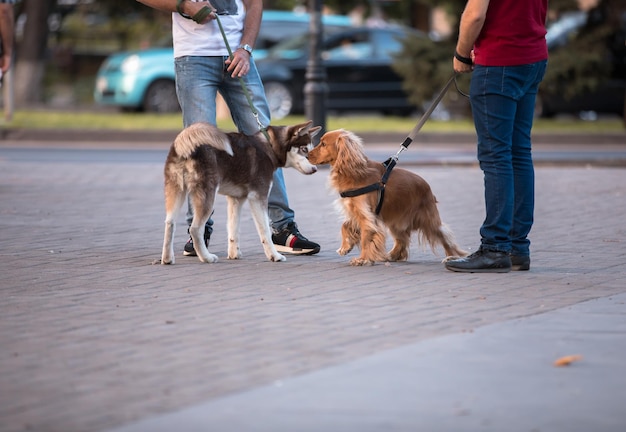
(342, 251)
(395, 258)
(210, 258)
(234, 252)
(278, 258)
(358, 262)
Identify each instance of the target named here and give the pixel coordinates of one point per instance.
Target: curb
(168, 136)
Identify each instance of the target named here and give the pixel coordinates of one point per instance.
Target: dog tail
(444, 237)
(190, 138)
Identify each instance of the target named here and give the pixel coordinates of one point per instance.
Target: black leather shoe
(482, 261)
(520, 262)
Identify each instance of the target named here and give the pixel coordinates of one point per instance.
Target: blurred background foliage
(574, 68)
(61, 43)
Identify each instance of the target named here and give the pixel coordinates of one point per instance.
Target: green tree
(47, 25)
(30, 54)
(425, 64)
(584, 64)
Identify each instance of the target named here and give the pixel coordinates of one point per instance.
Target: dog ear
(303, 129)
(314, 131)
(350, 154)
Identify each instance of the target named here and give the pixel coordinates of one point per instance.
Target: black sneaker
(482, 261)
(290, 241)
(520, 262)
(189, 250)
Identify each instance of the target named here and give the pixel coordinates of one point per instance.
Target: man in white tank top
(203, 68)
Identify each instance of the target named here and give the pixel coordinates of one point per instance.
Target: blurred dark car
(607, 97)
(358, 68)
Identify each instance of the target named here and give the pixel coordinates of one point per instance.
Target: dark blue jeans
(503, 104)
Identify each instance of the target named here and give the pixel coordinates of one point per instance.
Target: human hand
(462, 64)
(239, 64)
(201, 12)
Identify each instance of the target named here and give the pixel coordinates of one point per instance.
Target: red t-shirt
(514, 33)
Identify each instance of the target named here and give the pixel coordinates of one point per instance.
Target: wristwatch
(246, 47)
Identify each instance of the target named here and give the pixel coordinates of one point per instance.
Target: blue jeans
(503, 104)
(198, 79)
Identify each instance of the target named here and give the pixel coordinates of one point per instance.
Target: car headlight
(101, 84)
(131, 64)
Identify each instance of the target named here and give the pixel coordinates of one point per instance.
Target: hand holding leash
(238, 63)
(200, 12)
(463, 64)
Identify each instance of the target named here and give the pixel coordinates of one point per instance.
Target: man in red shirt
(6, 34)
(503, 43)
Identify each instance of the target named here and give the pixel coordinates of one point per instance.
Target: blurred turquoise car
(143, 80)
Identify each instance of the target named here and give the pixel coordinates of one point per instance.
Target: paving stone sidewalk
(96, 336)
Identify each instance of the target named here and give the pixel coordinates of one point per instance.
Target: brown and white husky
(204, 160)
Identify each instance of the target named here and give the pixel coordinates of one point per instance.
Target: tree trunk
(420, 17)
(624, 112)
(30, 64)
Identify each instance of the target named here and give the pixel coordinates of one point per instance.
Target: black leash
(390, 163)
(409, 139)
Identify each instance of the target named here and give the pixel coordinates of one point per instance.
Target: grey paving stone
(95, 336)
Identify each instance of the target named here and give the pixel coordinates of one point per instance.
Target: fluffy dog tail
(190, 138)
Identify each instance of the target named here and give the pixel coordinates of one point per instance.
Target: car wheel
(161, 97)
(279, 99)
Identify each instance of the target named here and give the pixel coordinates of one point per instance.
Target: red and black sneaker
(290, 241)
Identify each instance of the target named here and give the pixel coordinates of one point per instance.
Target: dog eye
(303, 150)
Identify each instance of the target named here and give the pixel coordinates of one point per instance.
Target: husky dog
(204, 160)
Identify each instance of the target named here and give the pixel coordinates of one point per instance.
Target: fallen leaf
(567, 360)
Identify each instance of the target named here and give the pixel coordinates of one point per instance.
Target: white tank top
(191, 39)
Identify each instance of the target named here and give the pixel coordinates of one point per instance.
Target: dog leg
(196, 231)
(167, 254)
(202, 201)
(400, 250)
(234, 219)
(174, 199)
(258, 206)
(350, 236)
(372, 235)
(372, 246)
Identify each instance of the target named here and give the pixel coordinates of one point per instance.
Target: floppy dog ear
(350, 156)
